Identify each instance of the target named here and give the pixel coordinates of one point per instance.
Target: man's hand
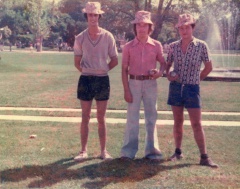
(172, 76)
(154, 74)
(128, 96)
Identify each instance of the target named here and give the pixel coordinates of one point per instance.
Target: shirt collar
(194, 41)
(149, 41)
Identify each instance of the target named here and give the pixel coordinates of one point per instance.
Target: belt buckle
(142, 77)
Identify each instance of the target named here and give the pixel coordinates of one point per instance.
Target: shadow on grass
(101, 174)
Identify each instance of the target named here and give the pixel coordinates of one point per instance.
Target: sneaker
(158, 157)
(105, 156)
(208, 162)
(81, 156)
(175, 157)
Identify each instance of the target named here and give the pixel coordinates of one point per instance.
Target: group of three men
(95, 54)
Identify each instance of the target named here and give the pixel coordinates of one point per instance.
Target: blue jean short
(93, 87)
(186, 95)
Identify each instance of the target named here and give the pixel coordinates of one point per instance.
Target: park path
(108, 120)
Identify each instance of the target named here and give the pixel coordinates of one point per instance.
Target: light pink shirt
(141, 58)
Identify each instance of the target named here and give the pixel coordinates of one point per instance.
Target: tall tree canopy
(52, 20)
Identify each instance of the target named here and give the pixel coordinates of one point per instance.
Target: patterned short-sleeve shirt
(188, 65)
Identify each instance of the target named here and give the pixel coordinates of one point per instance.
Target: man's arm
(162, 68)
(162, 62)
(160, 72)
(77, 61)
(113, 62)
(206, 70)
(168, 66)
(127, 92)
(168, 75)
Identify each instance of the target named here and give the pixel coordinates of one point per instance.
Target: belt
(140, 77)
(178, 82)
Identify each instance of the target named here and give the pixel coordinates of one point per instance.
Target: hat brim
(94, 12)
(184, 24)
(143, 21)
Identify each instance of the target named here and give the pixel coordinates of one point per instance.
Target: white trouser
(145, 91)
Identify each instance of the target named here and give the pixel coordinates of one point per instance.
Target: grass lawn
(46, 161)
(50, 80)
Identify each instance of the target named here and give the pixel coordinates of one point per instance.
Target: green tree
(41, 17)
(72, 18)
(12, 15)
(5, 33)
(120, 13)
(49, 21)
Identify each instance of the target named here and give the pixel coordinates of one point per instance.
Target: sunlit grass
(50, 80)
(46, 161)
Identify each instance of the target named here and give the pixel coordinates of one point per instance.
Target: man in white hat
(139, 78)
(187, 54)
(92, 50)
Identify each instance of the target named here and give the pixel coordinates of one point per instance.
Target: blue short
(93, 87)
(184, 95)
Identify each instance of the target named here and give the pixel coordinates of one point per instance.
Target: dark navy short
(186, 95)
(93, 87)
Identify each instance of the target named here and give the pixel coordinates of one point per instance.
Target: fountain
(222, 41)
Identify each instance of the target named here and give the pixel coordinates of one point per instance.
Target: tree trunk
(158, 27)
(160, 16)
(39, 43)
(137, 5)
(148, 5)
(159, 21)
